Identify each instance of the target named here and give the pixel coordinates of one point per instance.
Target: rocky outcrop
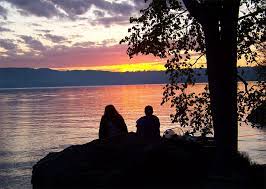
(126, 161)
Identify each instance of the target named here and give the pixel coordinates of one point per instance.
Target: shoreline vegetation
(131, 161)
(257, 116)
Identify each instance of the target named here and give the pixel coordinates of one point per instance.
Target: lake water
(34, 122)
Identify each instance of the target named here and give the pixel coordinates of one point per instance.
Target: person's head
(110, 111)
(148, 110)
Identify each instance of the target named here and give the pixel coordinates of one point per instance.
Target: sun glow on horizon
(135, 67)
(196, 62)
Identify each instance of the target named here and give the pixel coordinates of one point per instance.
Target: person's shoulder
(155, 117)
(119, 116)
(142, 118)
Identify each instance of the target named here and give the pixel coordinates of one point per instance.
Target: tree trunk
(229, 20)
(219, 93)
(221, 48)
(219, 22)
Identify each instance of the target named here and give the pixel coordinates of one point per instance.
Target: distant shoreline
(23, 78)
(93, 86)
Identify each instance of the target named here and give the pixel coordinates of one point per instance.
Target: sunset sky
(67, 35)
(63, 34)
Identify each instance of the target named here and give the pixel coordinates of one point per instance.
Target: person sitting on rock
(148, 126)
(112, 123)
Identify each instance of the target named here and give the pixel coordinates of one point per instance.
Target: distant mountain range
(44, 77)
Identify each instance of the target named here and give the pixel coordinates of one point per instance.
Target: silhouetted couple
(113, 124)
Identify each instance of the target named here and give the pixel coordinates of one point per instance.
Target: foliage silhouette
(188, 32)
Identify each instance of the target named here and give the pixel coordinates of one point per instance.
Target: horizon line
(111, 71)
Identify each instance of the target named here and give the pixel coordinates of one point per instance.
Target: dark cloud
(43, 30)
(3, 29)
(79, 7)
(109, 41)
(114, 8)
(8, 44)
(98, 13)
(33, 43)
(84, 44)
(3, 12)
(74, 8)
(35, 24)
(55, 38)
(108, 21)
(36, 7)
(76, 35)
(141, 3)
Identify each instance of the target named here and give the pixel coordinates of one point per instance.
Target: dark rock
(126, 161)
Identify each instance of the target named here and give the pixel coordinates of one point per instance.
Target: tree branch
(176, 16)
(193, 6)
(244, 82)
(198, 58)
(203, 11)
(251, 14)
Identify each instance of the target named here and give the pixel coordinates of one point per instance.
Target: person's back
(148, 126)
(112, 123)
